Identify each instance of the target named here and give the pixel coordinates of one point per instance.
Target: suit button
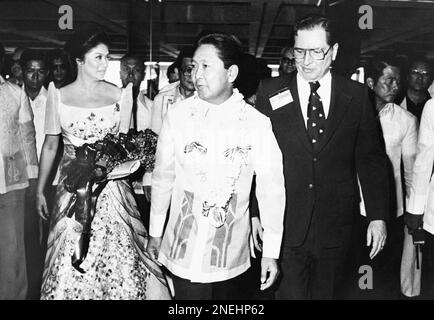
(315, 159)
(310, 186)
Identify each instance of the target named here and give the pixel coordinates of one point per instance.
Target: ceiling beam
(217, 2)
(7, 27)
(255, 14)
(401, 3)
(86, 13)
(416, 25)
(270, 12)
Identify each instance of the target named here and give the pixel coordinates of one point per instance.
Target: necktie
(315, 114)
(134, 111)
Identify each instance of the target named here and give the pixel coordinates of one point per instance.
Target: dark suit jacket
(323, 179)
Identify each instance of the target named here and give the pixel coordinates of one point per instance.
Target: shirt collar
(324, 81)
(42, 94)
(386, 110)
(227, 107)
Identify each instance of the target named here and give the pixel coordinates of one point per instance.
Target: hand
(153, 248)
(41, 206)
(376, 234)
(147, 191)
(413, 221)
(269, 272)
(257, 232)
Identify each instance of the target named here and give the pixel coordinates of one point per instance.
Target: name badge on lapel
(281, 98)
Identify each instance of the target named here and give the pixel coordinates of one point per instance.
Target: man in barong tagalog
(209, 147)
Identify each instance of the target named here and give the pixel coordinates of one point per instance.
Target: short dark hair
(419, 60)
(32, 54)
(375, 67)
(171, 69)
(57, 54)
(186, 52)
(251, 71)
(284, 50)
(134, 56)
(314, 21)
(82, 42)
(228, 47)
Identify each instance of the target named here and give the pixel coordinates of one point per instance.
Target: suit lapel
(298, 115)
(338, 106)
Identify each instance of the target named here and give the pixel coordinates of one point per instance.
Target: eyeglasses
(316, 54)
(186, 71)
(287, 60)
(416, 72)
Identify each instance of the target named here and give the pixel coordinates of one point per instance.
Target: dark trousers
(385, 266)
(33, 248)
(427, 281)
(232, 289)
(144, 208)
(310, 271)
(13, 278)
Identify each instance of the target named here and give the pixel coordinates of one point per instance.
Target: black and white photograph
(221, 156)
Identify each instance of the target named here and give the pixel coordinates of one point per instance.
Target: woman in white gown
(116, 265)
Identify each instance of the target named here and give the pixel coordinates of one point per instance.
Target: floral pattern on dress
(114, 270)
(116, 266)
(92, 127)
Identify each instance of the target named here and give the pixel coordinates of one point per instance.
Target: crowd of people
(262, 188)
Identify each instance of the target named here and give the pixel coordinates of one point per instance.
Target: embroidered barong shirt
(207, 154)
(18, 160)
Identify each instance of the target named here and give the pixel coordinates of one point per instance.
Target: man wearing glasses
(168, 96)
(174, 92)
(287, 62)
(326, 129)
(419, 79)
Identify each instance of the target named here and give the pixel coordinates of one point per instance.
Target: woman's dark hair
(82, 42)
(228, 47)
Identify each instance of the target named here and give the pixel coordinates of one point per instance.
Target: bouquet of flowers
(95, 161)
(95, 164)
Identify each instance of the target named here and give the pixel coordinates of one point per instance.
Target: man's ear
(233, 73)
(370, 82)
(335, 51)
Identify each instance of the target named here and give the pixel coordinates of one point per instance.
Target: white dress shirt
(400, 137)
(144, 115)
(163, 101)
(38, 107)
(167, 97)
(421, 200)
(324, 91)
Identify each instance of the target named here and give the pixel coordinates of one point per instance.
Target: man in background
(419, 78)
(16, 71)
(18, 177)
(35, 71)
(176, 91)
(133, 71)
(287, 62)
